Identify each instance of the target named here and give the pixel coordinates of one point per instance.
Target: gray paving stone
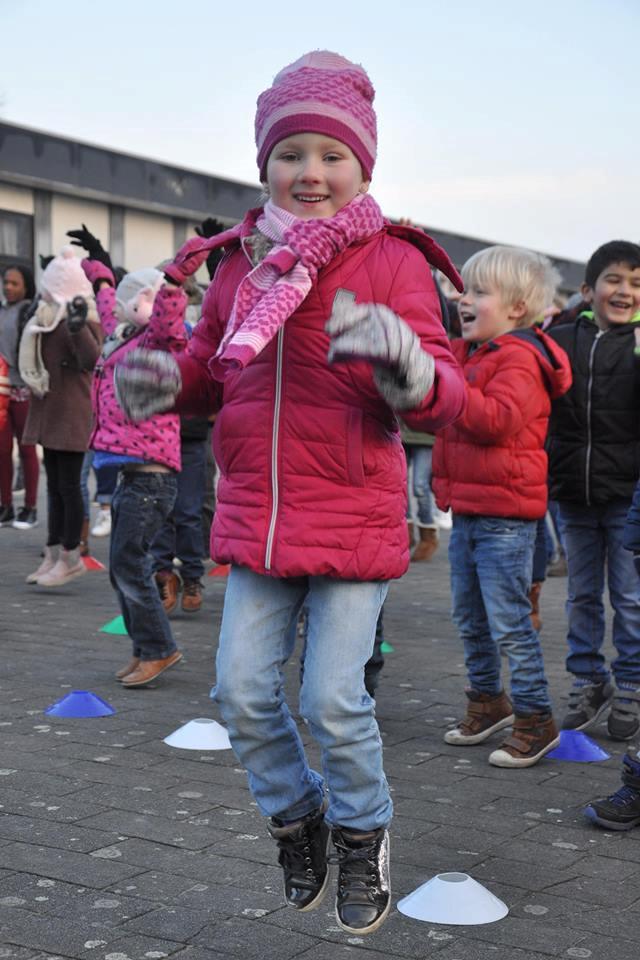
(69, 900)
(65, 865)
(51, 834)
(259, 940)
(149, 827)
(157, 803)
(57, 809)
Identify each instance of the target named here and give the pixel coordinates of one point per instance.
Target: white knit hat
(64, 279)
(135, 294)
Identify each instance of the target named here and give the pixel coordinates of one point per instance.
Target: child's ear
(587, 293)
(518, 310)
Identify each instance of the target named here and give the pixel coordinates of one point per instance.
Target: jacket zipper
(587, 463)
(274, 453)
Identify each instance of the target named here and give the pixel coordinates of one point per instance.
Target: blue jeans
(491, 561)
(140, 505)
(419, 461)
(256, 640)
(181, 533)
(593, 540)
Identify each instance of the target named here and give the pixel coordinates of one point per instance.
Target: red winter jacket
(492, 461)
(312, 471)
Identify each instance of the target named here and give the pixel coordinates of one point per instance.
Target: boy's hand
(146, 382)
(403, 371)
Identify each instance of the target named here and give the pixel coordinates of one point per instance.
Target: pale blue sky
(517, 122)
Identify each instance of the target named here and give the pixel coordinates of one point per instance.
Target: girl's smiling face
(312, 175)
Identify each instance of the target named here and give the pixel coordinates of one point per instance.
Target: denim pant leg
(187, 512)
(140, 504)
(421, 459)
(503, 551)
(257, 637)
(624, 593)
(334, 702)
(585, 545)
(482, 659)
(106, 482)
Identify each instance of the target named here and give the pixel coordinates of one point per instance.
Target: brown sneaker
(191, 596)
(427, 545)
(486, 713)
(130, 667)
(148, 670)
(530, 739)
(168, 588)
(534, 600)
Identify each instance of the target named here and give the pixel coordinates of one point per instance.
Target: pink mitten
(95, 271)
(189, 258)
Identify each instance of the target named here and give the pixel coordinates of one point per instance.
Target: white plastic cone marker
(453, 898)
(200, 734)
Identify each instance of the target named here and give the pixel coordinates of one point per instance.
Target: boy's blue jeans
(256, 640)
(140, 505)
(491, 560)
(419, 474)
(593, 540)
(181, 533)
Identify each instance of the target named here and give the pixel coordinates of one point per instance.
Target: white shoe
(68, 566)
(102, 526)
(442, 520)
(49, 562)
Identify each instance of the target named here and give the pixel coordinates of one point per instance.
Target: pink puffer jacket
(156, 440)
(312, 470)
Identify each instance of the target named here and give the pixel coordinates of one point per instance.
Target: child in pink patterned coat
(142, 311)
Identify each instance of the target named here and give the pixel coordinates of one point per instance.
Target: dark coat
(594, 431)
(61, 420)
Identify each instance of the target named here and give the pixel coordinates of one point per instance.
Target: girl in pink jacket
(322, 321)
(142, 311)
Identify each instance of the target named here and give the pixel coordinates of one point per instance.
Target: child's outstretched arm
(508, 401)
(166, 329)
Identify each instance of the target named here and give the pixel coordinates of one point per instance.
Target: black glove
(85, 239)
(210, 227)
(77, 311)
(45, 261)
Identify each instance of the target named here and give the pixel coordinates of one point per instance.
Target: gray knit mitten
(403, 371)
(146, 382)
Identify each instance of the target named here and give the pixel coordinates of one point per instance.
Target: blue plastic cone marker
(577, 747)
(200, 734)
(80, 703)
(115, 626)
(453, 898)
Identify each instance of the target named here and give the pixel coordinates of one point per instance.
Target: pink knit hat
(321, 92)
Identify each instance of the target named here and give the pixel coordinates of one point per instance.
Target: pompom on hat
(321, 92)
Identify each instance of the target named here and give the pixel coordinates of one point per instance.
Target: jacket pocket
(355, 465)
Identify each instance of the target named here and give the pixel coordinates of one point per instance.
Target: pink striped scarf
(276, 287)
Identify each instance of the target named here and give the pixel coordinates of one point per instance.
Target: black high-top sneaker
(303, 857)
(364, 887)
(620, 811)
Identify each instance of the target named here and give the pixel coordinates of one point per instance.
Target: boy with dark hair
(594, 459)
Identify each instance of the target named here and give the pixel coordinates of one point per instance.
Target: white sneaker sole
(460, 740)
(21, 525)
(500, 758)
(60, 581)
